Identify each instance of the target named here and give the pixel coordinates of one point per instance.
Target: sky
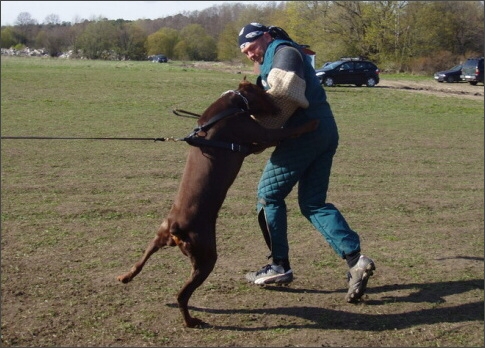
(74, 11)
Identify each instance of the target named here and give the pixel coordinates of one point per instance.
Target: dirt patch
(463, 89)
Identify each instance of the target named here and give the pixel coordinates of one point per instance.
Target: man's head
(253, 40)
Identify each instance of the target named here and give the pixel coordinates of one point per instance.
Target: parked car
(472, 70)
(325, 64)
(159, 58)
(354, 71)
(450, 75)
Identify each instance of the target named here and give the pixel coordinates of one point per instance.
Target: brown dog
(225, 136)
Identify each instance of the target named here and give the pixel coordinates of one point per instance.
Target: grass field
(408, 176)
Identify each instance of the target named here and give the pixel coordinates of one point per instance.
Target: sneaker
(270, 274)
(358, 277)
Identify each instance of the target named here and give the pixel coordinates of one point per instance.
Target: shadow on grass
(322, 318)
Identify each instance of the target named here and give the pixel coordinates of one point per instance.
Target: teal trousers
(306, 161)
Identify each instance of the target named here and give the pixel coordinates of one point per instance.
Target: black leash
(83, 138)
(191, 139)
(175, 111)
(190, 114)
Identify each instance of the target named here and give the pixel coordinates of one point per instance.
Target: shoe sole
(278, 279)
(356, 295)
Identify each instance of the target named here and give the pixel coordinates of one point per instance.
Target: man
(287, 74)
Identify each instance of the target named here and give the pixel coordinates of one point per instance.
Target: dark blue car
(353, 71)
(450, 75)
(159, 58)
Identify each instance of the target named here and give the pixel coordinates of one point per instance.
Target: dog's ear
(259, 83)
(244, 82)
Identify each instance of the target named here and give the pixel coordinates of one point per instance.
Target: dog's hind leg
(163, 238)
(202, 266)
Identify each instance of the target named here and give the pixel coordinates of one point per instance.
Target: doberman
(225, 135)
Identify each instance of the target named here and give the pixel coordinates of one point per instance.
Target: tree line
(410, 36)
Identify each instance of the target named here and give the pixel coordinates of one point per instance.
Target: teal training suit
(306, 160)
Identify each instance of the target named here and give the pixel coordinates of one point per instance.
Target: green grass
(408, 176)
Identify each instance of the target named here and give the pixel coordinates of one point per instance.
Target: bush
(440, 61)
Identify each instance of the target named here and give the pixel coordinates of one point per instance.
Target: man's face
(255, 50)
